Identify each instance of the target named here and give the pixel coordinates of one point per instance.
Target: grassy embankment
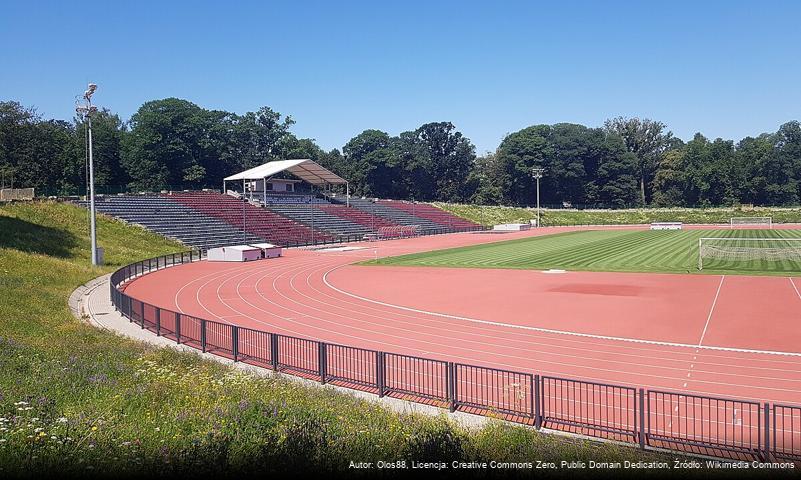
(77, 401)
(492, 215)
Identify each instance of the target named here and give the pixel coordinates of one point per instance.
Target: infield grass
(606, 250)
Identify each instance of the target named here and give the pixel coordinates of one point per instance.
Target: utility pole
(86, 110)
(537, 173)
(244, 200)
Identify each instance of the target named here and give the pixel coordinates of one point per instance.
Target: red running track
(733, 336)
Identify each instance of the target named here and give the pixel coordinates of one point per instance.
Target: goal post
(775, 249)
(751, 222)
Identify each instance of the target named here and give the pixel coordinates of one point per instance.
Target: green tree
(517, 154)
(107, 133)
(370, 163)
(670, 180)
(648, 140)
(781, 170)
(447, 156)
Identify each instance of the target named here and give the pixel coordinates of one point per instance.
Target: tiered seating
(430, 212)
(321, 219)
(259, 221)
(173, 220)
(394, 215)
(373, 222)
(402, 231)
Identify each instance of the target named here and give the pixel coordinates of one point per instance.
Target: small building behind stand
(234, 253)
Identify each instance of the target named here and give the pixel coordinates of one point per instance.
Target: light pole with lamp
(86, 110)
(537, 173)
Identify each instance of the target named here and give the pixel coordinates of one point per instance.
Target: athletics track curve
(732, 336)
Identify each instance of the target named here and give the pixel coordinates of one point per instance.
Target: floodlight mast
(86, 110)
(537, 173)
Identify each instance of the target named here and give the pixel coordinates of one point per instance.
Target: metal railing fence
(676, 421)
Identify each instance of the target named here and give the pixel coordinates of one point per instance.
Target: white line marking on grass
(549, 330)
(711, 310)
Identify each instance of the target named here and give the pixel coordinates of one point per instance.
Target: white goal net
(735, 222)
(729, 250)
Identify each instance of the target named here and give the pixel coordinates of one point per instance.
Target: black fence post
(158, 321)
(203, 335)
(321, 360)
(642, 418)
(379, 373)
(235, 342)
(451, 374)
(178, 328)
(274, 350)
(767, 433)
(142, 314)
(537, 403)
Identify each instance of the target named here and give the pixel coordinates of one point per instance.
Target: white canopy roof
(305, 169)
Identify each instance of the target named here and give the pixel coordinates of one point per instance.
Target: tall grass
(494, 215)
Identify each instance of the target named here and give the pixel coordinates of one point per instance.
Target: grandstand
(311, 215)
(430, 212)
(394, 215)
(172, 219)
(259, 221)
(373, 222)
(281, 211)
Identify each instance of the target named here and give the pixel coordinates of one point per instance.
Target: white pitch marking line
(711, 310)
(550, 330)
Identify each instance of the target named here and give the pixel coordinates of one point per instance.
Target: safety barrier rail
(676, 421)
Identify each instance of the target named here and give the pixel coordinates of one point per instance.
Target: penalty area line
(549, 330)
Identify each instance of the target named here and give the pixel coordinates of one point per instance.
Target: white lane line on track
(484, 336)
(583, 344)
(451, 355)
(711, 311)
(216, 274)
(288, 270)
(511, 356)
(553, 331)
(794, 287)
(530, 350)
(251, 272)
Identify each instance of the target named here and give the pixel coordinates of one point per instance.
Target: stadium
(667, 335)
(463, 238)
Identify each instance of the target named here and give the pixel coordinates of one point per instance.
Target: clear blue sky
(727, 69)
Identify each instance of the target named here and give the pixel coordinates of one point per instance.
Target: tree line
(173, 143)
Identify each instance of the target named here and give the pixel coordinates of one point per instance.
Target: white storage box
(666, 226)
(234, 253)
(512, 227)
(268, 250)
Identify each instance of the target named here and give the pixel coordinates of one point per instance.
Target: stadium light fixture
(537, 173)
(85, 111)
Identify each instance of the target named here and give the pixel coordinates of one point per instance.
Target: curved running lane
(731, 336)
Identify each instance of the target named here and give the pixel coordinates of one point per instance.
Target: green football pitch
(616, 251)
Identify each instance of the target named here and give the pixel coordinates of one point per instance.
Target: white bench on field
(666, 226)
